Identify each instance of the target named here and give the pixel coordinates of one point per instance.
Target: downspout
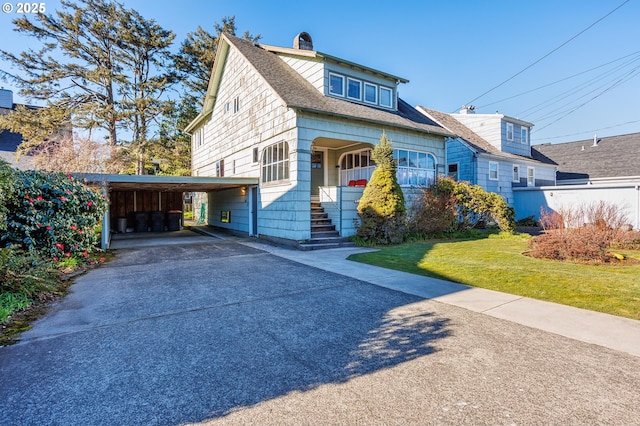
(638, 207)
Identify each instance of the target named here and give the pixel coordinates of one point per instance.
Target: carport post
(106, 226)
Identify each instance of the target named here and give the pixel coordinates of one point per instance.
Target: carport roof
(165, 183)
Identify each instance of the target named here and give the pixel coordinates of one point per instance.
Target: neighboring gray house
(594, 161)
(493, 151)
(304, 123)
(599, 169)
(10, 141)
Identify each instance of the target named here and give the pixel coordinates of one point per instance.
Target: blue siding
(516, 146)
(458, 152)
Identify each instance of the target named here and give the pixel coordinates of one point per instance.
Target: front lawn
(498, 263)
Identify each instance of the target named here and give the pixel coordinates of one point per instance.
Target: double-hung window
(493, 170)
(531, 176)
(516, 173)
(524, 134)
(510, 132)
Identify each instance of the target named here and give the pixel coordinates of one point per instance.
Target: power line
(587, 131)
(557, 81)
(607, 77)
(617, 83)
(548, 54)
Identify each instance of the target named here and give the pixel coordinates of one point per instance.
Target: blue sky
(452, 52)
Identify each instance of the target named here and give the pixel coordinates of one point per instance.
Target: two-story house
(304, 123)
(493, 151)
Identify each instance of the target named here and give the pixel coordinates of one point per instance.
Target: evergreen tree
(143, 50)
(195, 59)
(381, 208)
(101, 66)
(76, 68)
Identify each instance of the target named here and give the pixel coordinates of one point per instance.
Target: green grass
(498, 263)
(11, 302)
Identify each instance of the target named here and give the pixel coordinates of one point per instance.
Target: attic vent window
(303, 42)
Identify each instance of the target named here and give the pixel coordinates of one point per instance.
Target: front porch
(341, 206)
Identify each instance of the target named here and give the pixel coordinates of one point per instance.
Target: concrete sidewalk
(610, 331)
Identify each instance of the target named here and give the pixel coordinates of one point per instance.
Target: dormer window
(524, 132)
(386, 97)
(354, 89)
(370, 93)
(336, 84)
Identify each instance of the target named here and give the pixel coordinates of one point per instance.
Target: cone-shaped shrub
(381, 208)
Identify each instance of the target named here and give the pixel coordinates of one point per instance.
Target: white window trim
(510, 127)
(497, 170)
(524, 131)
(514, 178)
(349, 79)
(390, 97)
(531, 177)
(219, 168)
(375, 93)
(197, 138)
(364, 172)
(343, 78)
(430, 173)
(270, 163)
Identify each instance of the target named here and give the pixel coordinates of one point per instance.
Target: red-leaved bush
(583, 233)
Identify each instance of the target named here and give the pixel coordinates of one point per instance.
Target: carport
(129, 195)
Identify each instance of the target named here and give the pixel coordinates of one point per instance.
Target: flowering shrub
(53, 215)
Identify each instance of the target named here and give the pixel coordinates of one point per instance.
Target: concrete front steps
(323, 231)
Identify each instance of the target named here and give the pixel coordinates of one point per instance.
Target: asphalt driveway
(220, 332)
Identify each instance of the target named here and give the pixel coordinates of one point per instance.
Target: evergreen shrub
(381, 208)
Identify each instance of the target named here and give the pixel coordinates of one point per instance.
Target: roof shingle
(298, 93)
(612, 156)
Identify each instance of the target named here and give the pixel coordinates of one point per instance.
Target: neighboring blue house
(303, 123)
(493, 151)
(10, 141)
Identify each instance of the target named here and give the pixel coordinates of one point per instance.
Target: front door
(317, 171)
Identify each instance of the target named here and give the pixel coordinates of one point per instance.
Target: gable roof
(613, 156)
(472, 139)
(297, 93)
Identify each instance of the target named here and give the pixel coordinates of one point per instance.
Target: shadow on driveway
(168, 335)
